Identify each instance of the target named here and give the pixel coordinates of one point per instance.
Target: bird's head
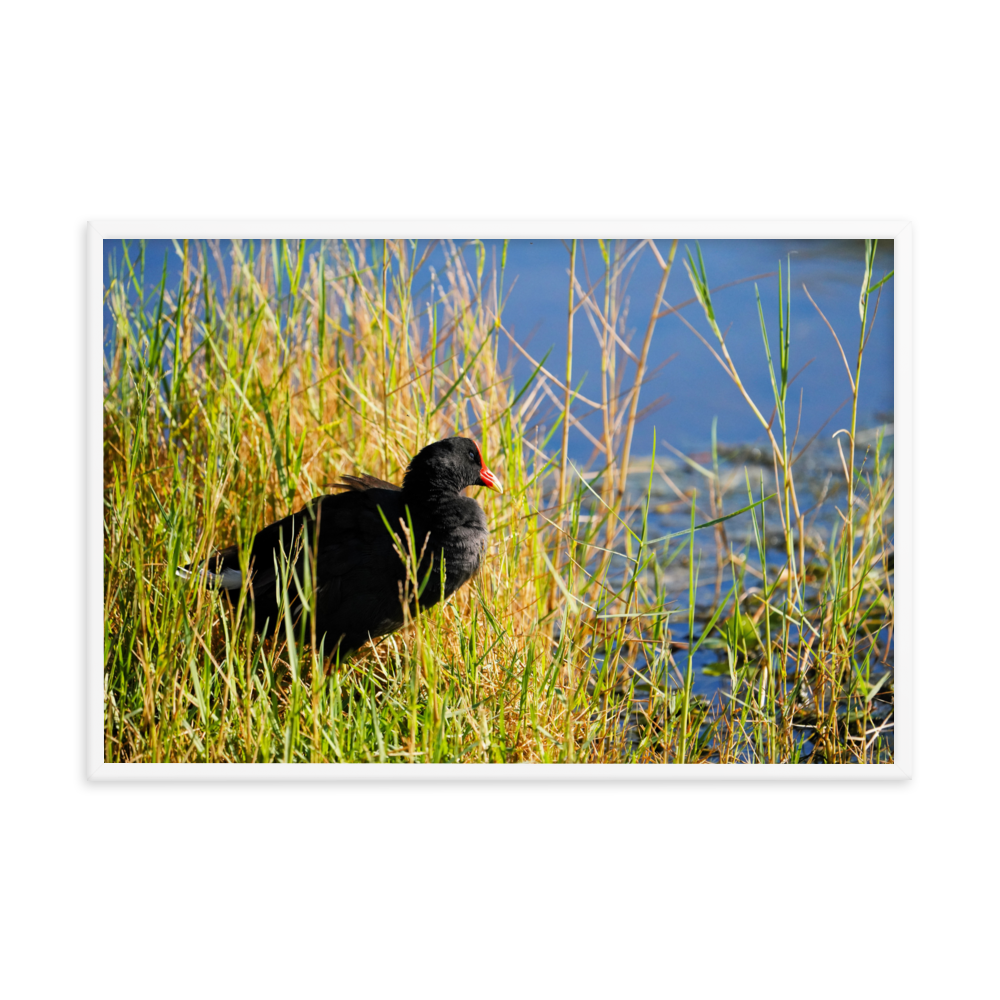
(449, 466)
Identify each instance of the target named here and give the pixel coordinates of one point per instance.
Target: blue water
(693, 386)
(696, 387)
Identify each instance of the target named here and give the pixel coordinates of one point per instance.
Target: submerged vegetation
(260, 376)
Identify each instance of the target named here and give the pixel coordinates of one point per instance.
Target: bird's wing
(357, 566)
(343, 544)
(363, 481)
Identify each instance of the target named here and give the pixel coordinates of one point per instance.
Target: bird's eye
(472, 455)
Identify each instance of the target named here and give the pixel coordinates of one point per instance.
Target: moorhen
(357, 574)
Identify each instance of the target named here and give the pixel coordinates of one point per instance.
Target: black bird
(343, 543)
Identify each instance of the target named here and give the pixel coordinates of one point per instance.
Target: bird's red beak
(486, 478)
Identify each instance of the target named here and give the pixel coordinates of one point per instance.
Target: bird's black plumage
(346, 544)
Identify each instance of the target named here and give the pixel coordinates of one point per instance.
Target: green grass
(231, 400)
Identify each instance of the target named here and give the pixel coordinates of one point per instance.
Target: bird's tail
(225, 578)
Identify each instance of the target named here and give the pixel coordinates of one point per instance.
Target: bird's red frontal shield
(486, 478)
